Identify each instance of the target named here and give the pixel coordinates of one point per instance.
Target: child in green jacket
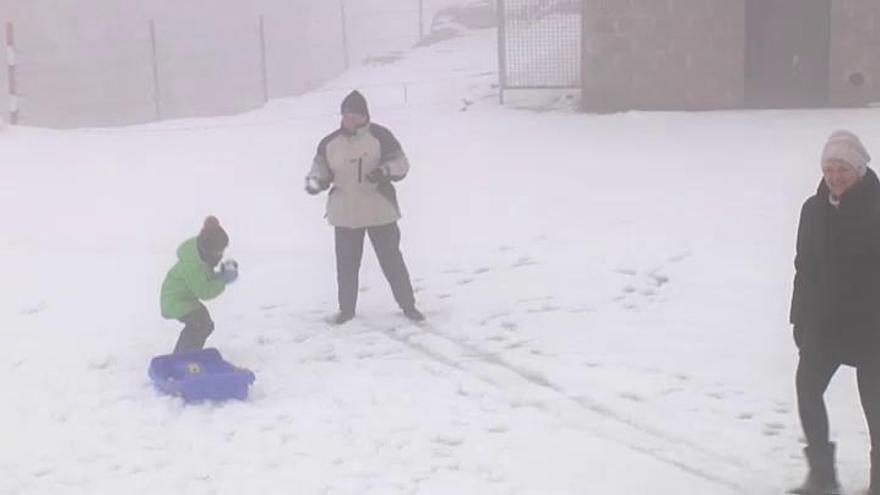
(194, 278)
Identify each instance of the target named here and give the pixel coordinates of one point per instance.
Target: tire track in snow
(684, 454)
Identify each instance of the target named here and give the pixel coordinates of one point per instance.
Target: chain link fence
(93, 64)
(539, 44)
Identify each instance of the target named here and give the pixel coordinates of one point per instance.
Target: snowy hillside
(607, 300)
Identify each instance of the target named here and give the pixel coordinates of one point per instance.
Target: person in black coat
(835, 307)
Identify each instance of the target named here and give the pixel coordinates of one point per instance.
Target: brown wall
(663, 54)
(855, 48)
(689, 54)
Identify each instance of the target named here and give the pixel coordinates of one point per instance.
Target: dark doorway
(787, 53)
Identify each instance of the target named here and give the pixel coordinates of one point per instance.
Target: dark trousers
(814, 373)
(349, 252)
(197, 326)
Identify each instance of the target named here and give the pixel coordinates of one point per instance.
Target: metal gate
(539, 44)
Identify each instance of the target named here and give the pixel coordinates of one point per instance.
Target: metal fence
(539, 43)
(92, 64)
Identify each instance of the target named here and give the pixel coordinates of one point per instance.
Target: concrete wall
(855, 49)
(663, 54)
(689, 54)
(5, 15)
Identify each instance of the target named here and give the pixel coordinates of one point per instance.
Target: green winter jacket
(189, 280)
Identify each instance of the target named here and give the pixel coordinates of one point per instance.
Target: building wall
(689, 54)
(5, 15)
(663, 54)
(855, 49)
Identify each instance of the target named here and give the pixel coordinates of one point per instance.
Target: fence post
(344, 33)
(11, 71)
(263, 69)
(157, 95)
(502, 51)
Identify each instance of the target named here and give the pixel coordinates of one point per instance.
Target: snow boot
(341, 318)
(413, 314)
(822, 477)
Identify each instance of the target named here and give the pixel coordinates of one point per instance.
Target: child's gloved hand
(228, 271)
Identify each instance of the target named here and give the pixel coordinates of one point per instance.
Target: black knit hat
(213, 238)
(355, 103)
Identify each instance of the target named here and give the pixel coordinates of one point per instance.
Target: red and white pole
(11, 72)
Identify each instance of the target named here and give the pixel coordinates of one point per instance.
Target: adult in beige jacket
(361, 160)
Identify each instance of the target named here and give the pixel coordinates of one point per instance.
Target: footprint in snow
(102, 363)
(632, 397)
(499, 428)
(510, 326)
(34, 310)
(534, 299)
(264, 340)
(449, 439)
(547, 308)
(364, 354)
(671, 391)
(773, 429)
(581, 309)
(659, 279)
(523, 262)
(493, 316)
(679, 257)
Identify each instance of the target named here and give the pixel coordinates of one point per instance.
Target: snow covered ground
(607, 300)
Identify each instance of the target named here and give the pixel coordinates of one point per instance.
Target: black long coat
(836, 302)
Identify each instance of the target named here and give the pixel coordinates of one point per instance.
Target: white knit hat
(847, 147)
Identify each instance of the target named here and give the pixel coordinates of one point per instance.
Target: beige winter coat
(344, 161)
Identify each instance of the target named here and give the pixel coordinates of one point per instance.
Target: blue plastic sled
(200, 375)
